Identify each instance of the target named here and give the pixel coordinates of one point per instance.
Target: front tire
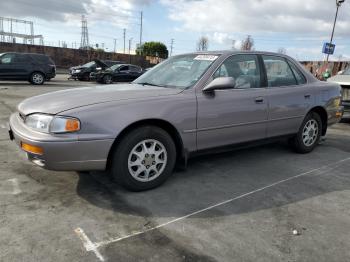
(309, 134)
(144, 158)
(37, 78)
(107, 79)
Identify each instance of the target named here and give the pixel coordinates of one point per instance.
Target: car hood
(101, 64)
(340, 79)
(56, 102)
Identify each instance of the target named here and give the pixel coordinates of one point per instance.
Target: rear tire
(308, 135)
(144, 158)
(37, 78)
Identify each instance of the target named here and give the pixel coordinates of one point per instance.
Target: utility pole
(141, 22)
(130, 49)
(338, 3)
(124, 32)
(115, 45)
(171, 46)
(130, 44)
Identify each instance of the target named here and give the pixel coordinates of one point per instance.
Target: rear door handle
(307, 96)
(259, 100)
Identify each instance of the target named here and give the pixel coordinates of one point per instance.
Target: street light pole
(338, 3)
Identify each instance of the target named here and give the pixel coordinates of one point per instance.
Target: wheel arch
(322, 112)
(163, 124)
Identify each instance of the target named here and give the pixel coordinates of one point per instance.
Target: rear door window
(20, 58)
(278, 72)
(298, 75)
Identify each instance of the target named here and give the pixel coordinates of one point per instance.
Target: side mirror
(220, 83)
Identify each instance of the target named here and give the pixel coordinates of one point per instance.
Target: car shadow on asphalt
(212, 179)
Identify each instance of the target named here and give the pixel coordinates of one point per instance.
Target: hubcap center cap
(311, 132)
(148, 161)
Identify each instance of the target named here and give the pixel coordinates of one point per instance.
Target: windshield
(114, 67)
(179, 71)
(89, 64)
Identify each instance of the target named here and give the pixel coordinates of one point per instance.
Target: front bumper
(60, 152)
(334, 115)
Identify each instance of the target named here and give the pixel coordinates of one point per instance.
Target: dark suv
(35, 68)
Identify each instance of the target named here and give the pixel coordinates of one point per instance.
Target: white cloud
(117, 12)
(251, 16)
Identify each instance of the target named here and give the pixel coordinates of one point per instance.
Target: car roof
(233, 52)
(128, 65)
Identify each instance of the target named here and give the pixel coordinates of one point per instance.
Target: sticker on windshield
(206, 57)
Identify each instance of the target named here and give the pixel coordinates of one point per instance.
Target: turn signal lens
(72, 125)
(32, 149)
(338, 114)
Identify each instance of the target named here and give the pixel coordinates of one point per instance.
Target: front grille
(345, 91)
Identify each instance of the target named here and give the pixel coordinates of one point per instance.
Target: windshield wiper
(149, 84)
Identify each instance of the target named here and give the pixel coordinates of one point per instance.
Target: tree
(203, 43)
(282, 50)
(247, 44)
(157, 49)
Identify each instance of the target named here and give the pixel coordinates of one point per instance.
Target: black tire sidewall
(105, 80)
(299, 145)
(120, 169)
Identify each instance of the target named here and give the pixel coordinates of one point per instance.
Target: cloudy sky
(299, 26)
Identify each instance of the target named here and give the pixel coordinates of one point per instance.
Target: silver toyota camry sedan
(188, 104)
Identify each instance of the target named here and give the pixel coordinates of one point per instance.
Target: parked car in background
(35, 68)
(117, 73)
(83, 72)
(343, 79)
(186, 105)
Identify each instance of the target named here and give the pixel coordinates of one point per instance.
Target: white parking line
(90, 246)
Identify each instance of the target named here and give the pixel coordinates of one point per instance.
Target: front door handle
(307, 96)
(259, 100)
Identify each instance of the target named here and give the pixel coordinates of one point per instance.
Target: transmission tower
(11, 29)
(84, 42)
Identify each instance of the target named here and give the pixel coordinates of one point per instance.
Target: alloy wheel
(310, 132)
(147, 160)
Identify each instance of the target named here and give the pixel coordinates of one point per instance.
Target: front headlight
(39, 122)
(52, 124)
(337, 102)
(77, 71)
